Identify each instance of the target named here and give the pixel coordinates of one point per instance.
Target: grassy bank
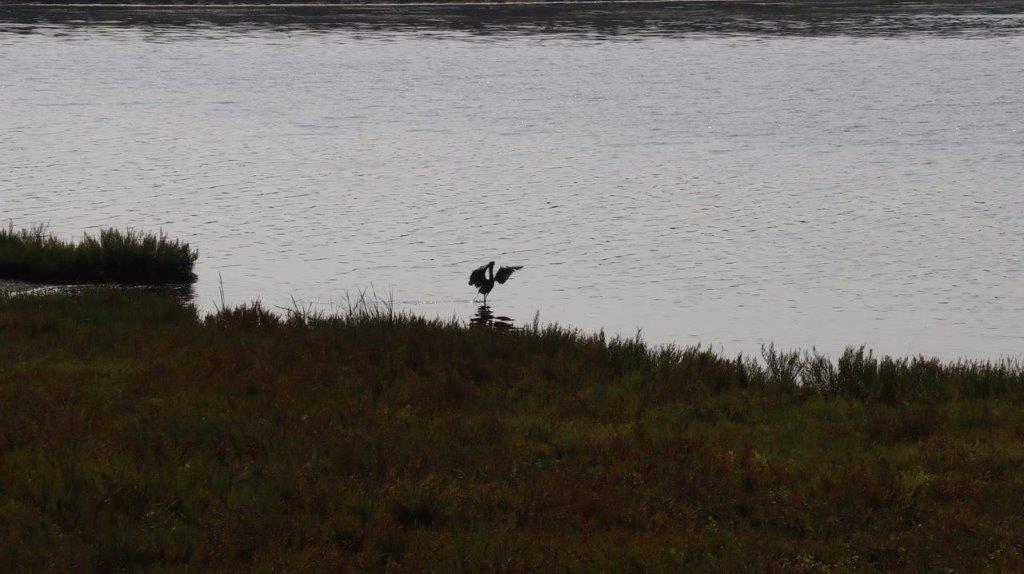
(128, 257)
(135, 434)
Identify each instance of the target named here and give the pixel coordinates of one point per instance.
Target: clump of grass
(138, 435)
(125, 257)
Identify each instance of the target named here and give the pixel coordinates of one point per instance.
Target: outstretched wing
(505, 272)
(477, 277)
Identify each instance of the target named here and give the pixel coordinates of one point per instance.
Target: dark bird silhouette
(483, 278)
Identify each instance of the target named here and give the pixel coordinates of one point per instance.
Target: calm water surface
(726, 178)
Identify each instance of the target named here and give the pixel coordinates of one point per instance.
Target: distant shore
(372, 3)
(646, 12)
(677, 15)
(248, 4)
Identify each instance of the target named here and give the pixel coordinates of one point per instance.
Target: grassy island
(123, 257)
(138, 435)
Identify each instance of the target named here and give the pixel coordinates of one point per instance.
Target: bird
(483, 278)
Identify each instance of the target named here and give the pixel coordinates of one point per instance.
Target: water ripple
(803, 180)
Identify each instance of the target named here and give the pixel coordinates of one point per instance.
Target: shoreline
(184, 294)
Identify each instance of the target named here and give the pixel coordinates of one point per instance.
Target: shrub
(126, 257)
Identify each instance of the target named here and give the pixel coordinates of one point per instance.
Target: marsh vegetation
(113, 256)
(137, 433)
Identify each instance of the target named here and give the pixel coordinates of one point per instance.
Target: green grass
(138, 435)
(128, 257)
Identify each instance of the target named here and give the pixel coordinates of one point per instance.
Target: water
(729, 176)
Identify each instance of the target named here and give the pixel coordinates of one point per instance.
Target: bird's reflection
(486, 318)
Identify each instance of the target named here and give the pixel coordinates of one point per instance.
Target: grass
(128, 257)
(139, 435)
